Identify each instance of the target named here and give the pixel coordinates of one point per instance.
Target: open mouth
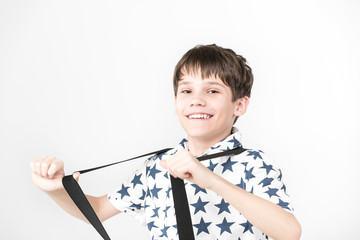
(199, 116)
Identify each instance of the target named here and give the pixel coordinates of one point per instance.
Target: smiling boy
(237, 197)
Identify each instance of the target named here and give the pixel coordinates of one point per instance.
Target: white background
(90, 82)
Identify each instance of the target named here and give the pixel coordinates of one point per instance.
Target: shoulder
(257, 155)
(259, 160)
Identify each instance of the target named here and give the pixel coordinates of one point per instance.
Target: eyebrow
(207, 82)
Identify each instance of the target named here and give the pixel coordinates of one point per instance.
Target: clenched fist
(47, 173)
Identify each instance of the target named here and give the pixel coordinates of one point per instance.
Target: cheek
(225, 108)
(178, 108)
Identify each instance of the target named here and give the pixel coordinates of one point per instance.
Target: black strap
(182, 212)
(73, 188)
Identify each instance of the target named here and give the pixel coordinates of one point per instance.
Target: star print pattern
(199, 205)
(202, 226)
(136, 180)
(223, 206)
(228, 165)
(147, 194)
(225, 226)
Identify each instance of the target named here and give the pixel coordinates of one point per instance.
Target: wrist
(216, 182)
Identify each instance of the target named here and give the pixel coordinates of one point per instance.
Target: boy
(237, 197)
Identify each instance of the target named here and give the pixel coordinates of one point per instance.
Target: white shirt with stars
(147, 194)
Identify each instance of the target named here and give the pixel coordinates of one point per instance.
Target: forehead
(189, 75)
(190, 79)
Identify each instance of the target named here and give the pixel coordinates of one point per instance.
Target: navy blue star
(228, 165)
(215, 147)
(227, 149)
(235, 141)
(150, 225)
(155, 191)
(223, 206)
(182, 143)
(266, 181)
(165, 210)
(283, 204)
(225, 226)
(272, 192)
(156, 212)
(198, 189)
(153, 172)
(148, 192)
(280, 176)
(124, 191)
(248, 174)
(202, 226)
(168, 192)
(247, 227)
(199, 206)
(136, 180)
(164, 231)
(242, 184)
(245, 164)
(137, 206)
(255, 154)
(161, 155)
(212, 166)
(147, 170)
(268, 168)
(166, 175)
(143, 195)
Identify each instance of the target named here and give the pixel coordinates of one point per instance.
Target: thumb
(163, 163)
(76, 176)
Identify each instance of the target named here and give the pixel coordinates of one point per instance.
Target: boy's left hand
(185, 166)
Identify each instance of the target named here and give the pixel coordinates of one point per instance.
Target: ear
(241, 105)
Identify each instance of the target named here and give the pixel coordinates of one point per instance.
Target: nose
(198, 100)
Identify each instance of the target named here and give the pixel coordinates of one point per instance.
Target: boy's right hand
(47, 173)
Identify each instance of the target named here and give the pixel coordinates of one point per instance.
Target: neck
(199, 145)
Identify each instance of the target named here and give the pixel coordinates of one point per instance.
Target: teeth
(199, 116)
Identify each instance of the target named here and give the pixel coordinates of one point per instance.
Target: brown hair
(212, 60)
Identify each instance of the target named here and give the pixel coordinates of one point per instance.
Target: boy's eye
(185, 91)
(212, 91)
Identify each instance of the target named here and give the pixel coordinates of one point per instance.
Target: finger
(76, 176)
(37, 165)
(32, 166)
(172, 173)
(45, 164)
(55, 167)
(186, 175)
(163, 163)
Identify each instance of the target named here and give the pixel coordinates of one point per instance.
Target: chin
(200, 133)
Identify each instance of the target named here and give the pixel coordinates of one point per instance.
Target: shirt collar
(230, 142)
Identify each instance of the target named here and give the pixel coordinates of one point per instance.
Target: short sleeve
(129, 197)
(264, 179)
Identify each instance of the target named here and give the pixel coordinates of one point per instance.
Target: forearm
(270, 218)
(65, 202)
(101, 205)
(47, 175)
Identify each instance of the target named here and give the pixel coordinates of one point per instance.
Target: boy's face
(205, 108)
